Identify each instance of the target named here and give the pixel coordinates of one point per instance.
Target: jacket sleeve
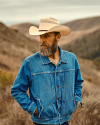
(78, 81)
(20, 86)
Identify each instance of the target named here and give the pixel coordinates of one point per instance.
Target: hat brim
(64, 30)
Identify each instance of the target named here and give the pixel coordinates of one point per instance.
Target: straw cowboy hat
(49, 24)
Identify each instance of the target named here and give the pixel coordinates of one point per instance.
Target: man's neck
(55, 55)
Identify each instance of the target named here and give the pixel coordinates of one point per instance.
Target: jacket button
(56, 74)
(58, 98)
(40, 108)
(58, 86)
(59, 110)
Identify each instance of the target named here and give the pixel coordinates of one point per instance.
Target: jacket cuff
(77, 98)
(32, 108)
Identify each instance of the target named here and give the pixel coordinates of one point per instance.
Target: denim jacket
(53, 90)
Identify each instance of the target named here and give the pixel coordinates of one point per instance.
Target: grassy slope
(84, 24)
(14, 47)
(88, 47)
(10, 111)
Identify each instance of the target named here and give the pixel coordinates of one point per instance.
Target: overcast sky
(21, 11)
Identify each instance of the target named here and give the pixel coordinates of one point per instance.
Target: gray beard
(46, 50)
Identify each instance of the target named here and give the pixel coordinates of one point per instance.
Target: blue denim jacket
(53, 90)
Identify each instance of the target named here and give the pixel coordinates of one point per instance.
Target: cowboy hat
(49, 24)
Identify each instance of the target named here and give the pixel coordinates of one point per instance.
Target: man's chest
(47, 79)
(55, 61)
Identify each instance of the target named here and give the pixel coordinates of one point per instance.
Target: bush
(6, 78)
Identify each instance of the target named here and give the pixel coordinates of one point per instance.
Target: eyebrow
(44, 35)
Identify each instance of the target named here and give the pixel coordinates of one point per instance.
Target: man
(52, 75)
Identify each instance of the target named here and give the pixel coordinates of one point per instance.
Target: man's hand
(35, 111)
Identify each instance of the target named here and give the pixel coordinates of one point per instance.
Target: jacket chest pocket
(42, 81)
(42, 85)
(69, 77)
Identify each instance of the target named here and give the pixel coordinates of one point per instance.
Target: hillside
(84, 24)
(14, 47)
(24, 29)
(16, 44)
(79, 28)
(12, 113)
(87, 47)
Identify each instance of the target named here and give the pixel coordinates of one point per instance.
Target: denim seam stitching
(30, 70)
(41, 59)
(41, 105)
(65, 94)
(59, 87)
(42, 108)
(31, 56)
(60, 102)
(30, 106)
(65, 58)
(52, 72)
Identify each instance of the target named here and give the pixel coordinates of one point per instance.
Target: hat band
(43, 30)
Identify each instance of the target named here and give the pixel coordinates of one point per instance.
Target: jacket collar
(45, 59)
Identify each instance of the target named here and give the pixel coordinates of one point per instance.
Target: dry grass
(6, 78)
(89, 114)
(10, 111)
(12, 114)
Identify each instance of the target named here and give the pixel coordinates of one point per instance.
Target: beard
(46, 49)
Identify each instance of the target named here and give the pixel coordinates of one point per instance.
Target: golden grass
(6, 78)
(89, 114)
(12, 114)
(10, 111)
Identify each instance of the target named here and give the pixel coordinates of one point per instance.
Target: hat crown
(47, 23)
(49, 20)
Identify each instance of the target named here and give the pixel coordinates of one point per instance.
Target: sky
(21, 11)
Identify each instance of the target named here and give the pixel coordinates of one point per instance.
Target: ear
(58, 37)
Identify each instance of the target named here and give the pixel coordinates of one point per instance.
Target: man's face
(48, 44)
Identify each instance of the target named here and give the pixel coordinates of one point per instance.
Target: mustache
(43, 44)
